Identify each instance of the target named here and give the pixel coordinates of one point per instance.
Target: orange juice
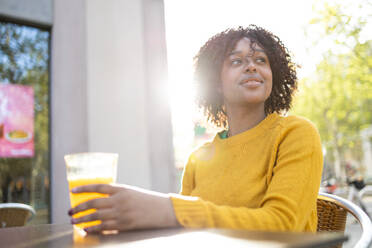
(78, 198)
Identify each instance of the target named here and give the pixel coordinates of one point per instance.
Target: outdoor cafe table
(64, 235)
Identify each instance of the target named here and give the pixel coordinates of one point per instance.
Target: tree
(339, 97)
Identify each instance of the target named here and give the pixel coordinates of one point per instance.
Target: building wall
(39, 11)
(69, 117)
(159, 126)
(108, 77)
(116, 86)
(119, 61)
(127, 108)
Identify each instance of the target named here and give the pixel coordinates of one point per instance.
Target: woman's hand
(125, 208)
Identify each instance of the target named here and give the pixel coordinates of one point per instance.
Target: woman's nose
(250, 66)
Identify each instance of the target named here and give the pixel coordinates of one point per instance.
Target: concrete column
(116, 86)
(127, 108)
(69, 133)
(108, 91)
(159, 123)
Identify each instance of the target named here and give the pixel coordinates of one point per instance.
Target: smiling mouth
(252, 82)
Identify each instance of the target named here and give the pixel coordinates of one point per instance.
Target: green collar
(223, 134)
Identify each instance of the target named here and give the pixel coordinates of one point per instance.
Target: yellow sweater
(266, 178)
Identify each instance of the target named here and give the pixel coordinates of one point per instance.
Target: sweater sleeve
(188, 182)
(293, 185)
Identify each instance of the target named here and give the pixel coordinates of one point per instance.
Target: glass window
(24, 117)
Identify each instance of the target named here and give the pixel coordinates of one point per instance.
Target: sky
(189, 24)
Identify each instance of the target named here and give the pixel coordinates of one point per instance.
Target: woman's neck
(243, 119)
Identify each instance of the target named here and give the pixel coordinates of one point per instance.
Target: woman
(262, 173)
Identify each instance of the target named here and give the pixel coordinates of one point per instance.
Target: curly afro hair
(208, 65)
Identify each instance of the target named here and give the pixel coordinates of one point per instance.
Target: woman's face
(246, 75)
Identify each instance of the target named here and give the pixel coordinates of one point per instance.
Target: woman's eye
(236, 61)
(261, 59)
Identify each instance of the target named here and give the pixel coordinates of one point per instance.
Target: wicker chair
(15, 214)
(332, 213)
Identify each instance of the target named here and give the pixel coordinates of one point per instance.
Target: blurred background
(117, 76)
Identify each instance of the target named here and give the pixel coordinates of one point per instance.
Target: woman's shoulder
(293, 129)
(295, 122)
(204, 152)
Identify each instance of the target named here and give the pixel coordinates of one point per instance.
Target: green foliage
(338, 98)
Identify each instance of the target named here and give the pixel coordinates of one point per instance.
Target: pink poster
(16, 121)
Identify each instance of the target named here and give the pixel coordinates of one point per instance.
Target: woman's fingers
(99, 203)
(134, 208)
(105, 225)
(99, 188)
(104, 214)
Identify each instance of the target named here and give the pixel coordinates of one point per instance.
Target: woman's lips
(251, 83)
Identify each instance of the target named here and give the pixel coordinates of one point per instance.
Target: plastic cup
(89, 168)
